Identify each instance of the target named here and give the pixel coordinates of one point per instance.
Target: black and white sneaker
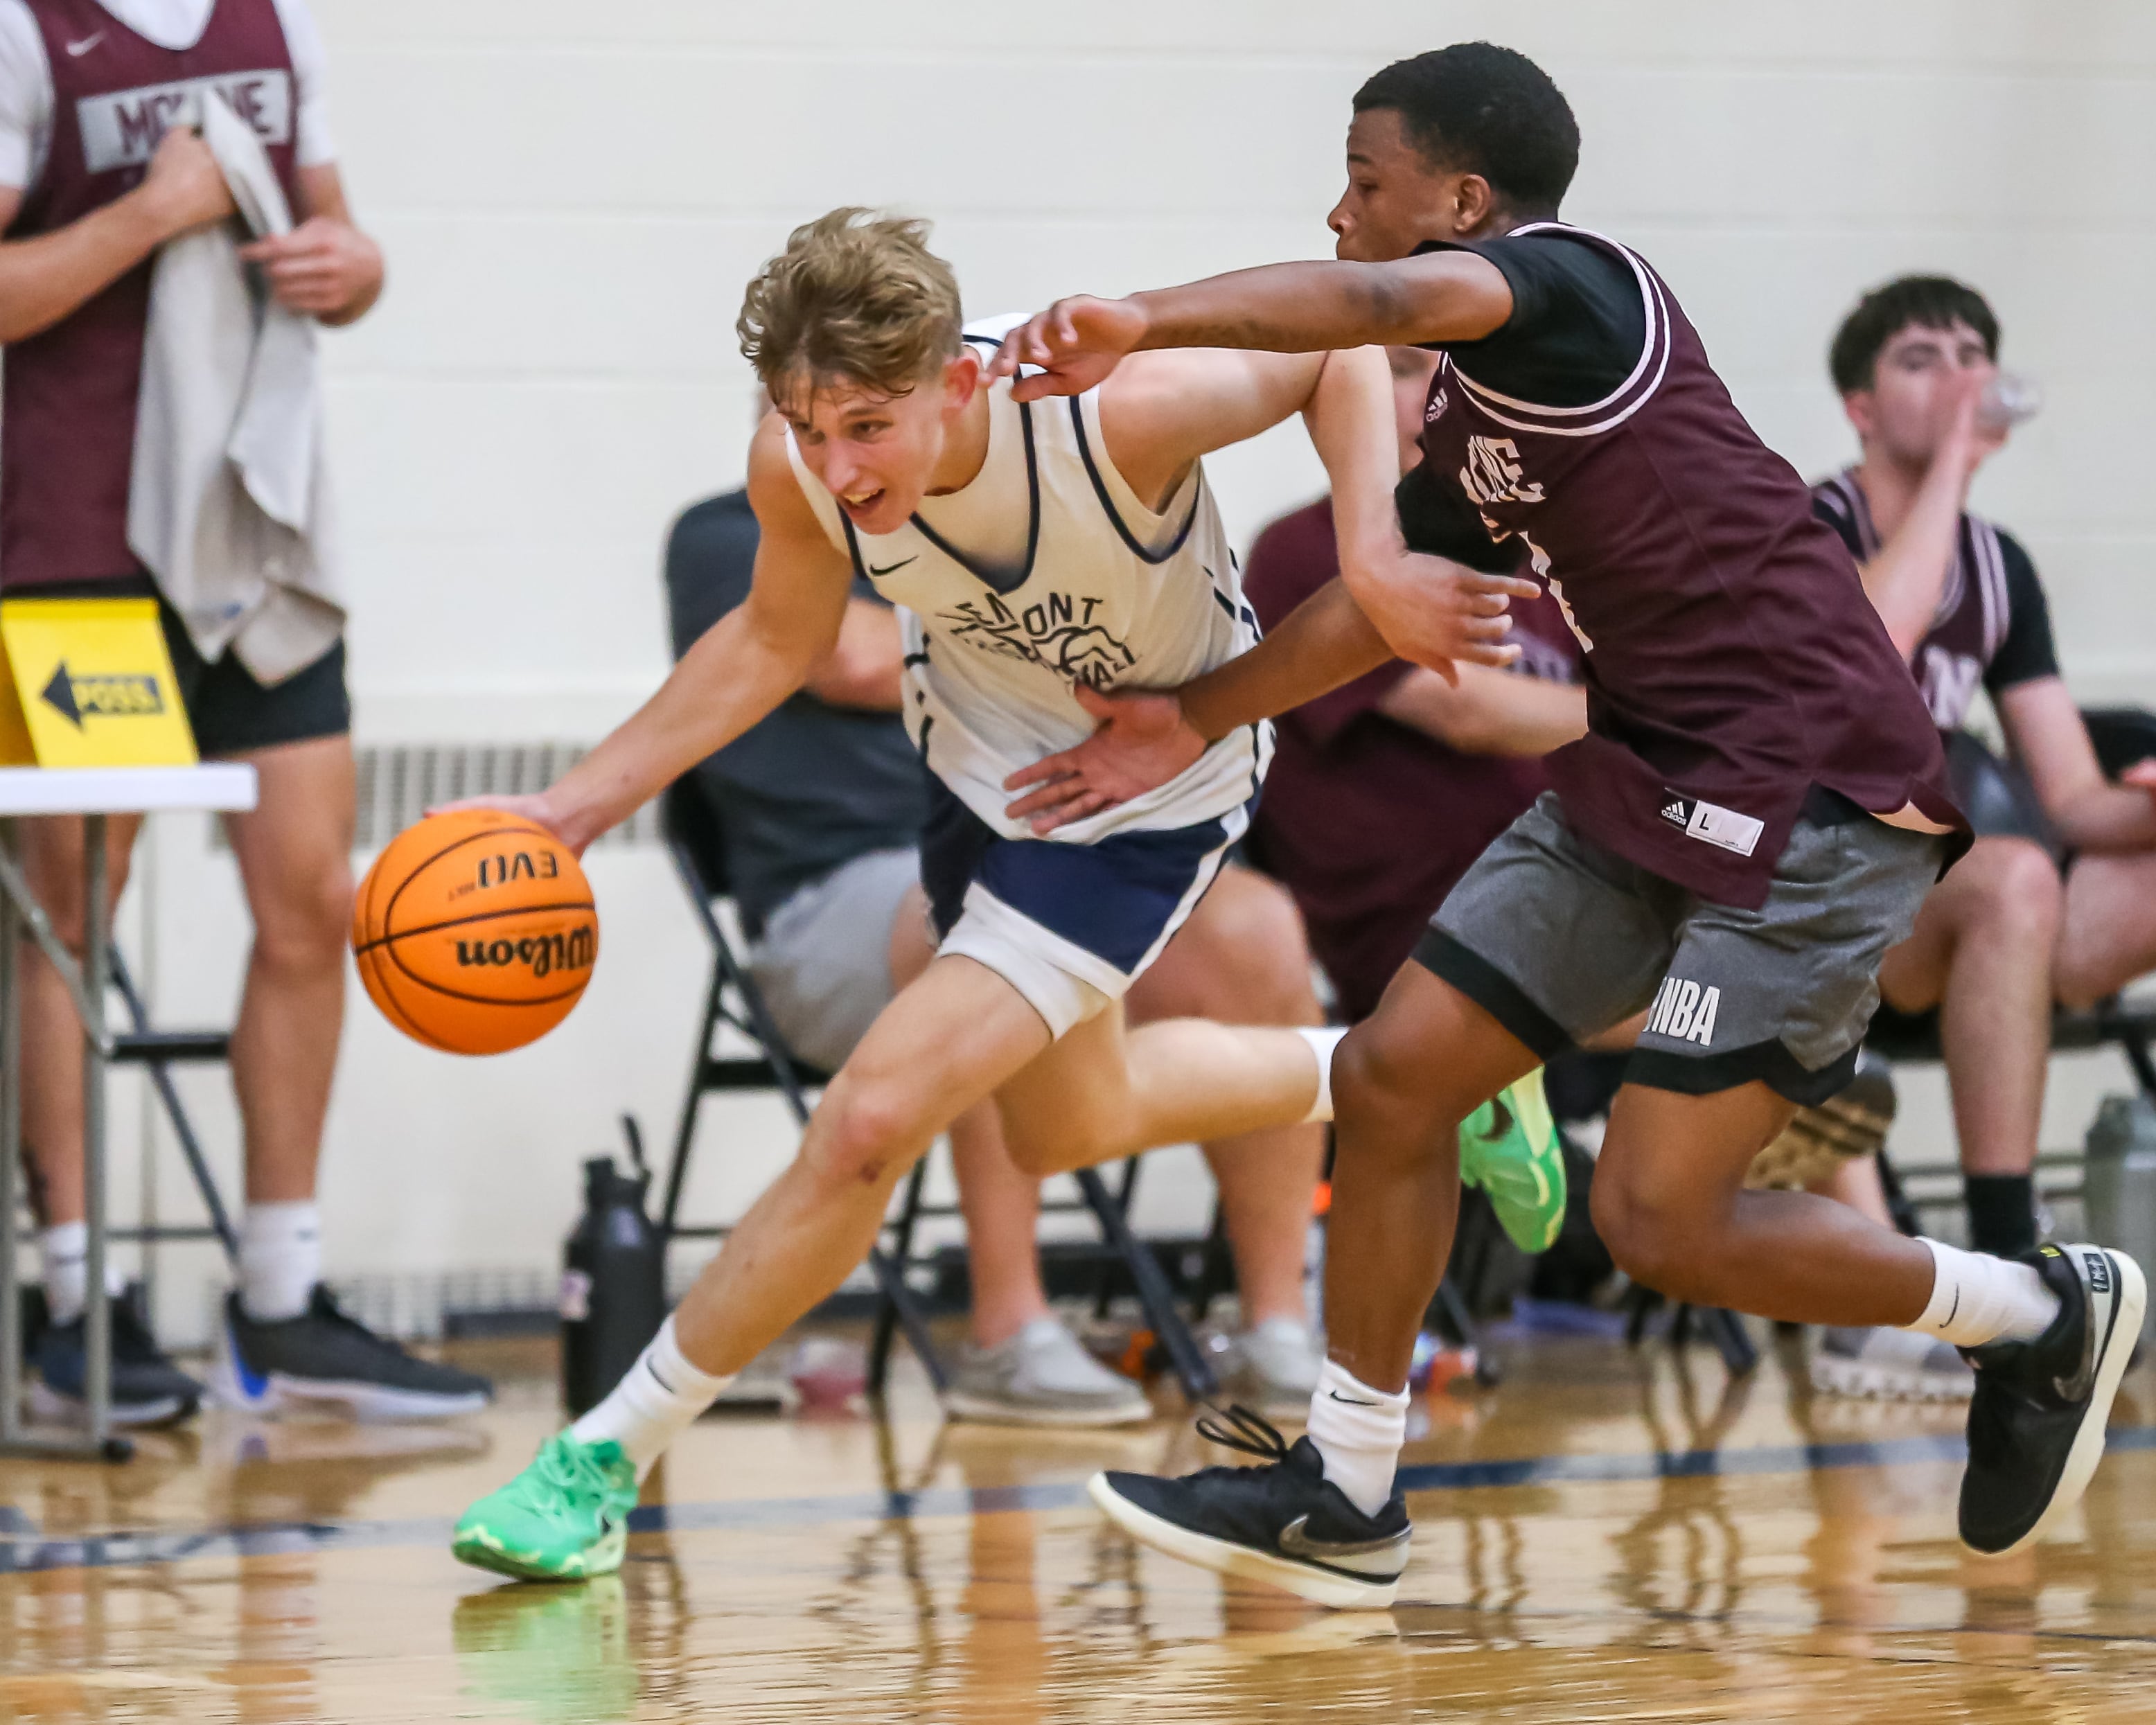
(2036, 1424)
(325, 1359)
(147, 1389)
(1285, 1522)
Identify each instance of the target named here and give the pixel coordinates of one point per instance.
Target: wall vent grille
(399, 782)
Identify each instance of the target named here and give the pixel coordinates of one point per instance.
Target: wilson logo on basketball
(475, 931)
(542, 954)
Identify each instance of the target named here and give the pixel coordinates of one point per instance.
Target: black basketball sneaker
(1284, 1523)
(326, 1357)
(2036, 1424)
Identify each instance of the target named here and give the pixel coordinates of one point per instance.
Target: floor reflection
(902, 1570)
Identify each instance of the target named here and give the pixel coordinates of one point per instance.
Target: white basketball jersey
(1045, 570)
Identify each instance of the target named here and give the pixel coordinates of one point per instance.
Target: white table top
(222, 785)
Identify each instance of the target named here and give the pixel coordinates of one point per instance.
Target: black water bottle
(613, 1279)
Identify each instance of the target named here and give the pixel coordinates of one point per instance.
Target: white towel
(229, 504)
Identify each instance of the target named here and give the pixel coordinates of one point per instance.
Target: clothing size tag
(1711, 824)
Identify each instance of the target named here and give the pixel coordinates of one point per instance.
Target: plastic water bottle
(613, 1279)
(2118, 1187)
(2009, 399)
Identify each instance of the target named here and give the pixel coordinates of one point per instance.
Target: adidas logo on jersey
(1685, 1011)
(1711, 824)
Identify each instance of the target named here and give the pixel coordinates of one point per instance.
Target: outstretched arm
(1279, 308)
(1163, 411)
(1487, 712)
(1146, 736)
(739, 669)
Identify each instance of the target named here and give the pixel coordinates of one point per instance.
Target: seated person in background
(822, 805)
(2057, 904)
(1383, 791)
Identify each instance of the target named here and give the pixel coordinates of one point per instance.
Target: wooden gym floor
(1608, 1536)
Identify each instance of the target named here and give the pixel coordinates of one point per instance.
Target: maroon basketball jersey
(1969, 626)
(68, 394)
(1732, 661)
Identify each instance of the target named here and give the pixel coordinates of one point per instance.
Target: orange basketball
(475, 931)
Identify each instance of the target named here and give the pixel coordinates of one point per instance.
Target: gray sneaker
(1273, 1368)
(1042, 1376)
(1890, 1365)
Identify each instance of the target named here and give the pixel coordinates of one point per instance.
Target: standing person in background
(98, 170)
(822, 805)
(2056, 899)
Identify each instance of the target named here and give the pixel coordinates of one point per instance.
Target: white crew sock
(1358, 1431)
(657, 1401)
(281, 1259)
(1977, 1298)
(65, 1249)
(1323, 1039)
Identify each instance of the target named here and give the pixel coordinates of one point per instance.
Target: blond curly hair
(856, 296)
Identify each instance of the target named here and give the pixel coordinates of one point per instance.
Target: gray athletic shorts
(824, 962)
(1558, 939)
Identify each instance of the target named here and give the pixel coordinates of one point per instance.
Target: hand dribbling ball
(475, 931)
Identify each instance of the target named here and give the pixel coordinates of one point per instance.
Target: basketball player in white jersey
(1041, 554)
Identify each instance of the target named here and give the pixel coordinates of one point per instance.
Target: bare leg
(1856, 1183)
(2108, 932)
(1243, 957)
(294, 850)
(52, 1034)
(1103, 1092)
(1402, 1082)
(1000, 1202)
(944, 1044)
(1669, 1204)
(1981, 953)
(1002, 1207)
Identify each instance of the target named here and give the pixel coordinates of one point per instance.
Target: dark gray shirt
(812, 787)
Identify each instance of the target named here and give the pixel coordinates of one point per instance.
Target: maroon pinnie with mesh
(1732, 661)
(1974, 610)
(68, 395)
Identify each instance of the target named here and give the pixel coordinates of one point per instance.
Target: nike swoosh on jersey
(890, 568)
(76, 50)
(1383, 1558)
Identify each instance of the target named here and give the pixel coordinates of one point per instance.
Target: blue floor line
(23, 1551)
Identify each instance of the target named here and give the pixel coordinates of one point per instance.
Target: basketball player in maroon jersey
(1754, 819)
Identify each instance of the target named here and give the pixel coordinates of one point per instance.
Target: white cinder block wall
(572, 197)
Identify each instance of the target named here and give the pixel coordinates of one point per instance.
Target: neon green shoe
(1509, 1148)
(564, 1518)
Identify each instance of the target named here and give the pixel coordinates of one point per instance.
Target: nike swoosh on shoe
(1383, 1558)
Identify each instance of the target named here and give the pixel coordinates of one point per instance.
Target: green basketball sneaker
(1509, 1148)
(564, 1518)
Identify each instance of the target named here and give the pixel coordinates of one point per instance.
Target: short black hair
(1931, 302)
(1478, 108)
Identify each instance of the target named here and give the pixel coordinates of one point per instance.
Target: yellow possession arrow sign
(89, 684)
